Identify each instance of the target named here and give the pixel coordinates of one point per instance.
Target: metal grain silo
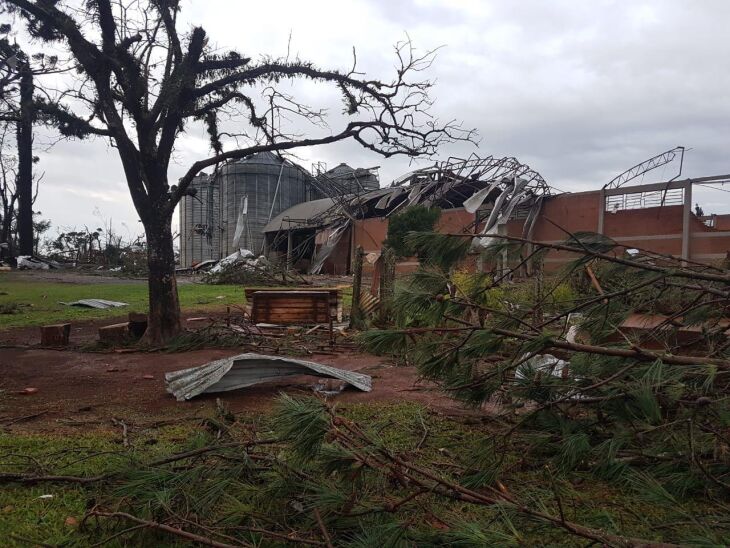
(199, 222)
(254, 190)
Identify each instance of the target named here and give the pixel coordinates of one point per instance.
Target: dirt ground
(73, 385)
(77, 386)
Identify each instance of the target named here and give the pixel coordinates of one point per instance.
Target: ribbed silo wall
(200, 227)
(272, 185)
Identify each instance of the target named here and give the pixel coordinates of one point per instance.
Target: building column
(686, 221)
(601, 210)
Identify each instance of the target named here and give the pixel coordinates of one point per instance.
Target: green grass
(27, 512)
(37, 302)
(400, 426)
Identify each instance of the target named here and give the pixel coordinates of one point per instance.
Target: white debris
(96, 303)
(26, 262)
(240, 256)
(546, 363)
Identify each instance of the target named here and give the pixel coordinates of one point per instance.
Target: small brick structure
(55, 335)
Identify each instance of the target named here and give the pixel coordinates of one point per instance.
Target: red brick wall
(370, 233)
(657, 229)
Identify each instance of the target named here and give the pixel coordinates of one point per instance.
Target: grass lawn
(28, 302)
(27, 512)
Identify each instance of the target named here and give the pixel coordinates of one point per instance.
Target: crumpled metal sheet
(250, 369)
(327, 249)
(96, 303)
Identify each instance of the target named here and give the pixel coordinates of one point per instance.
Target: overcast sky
(580, 90)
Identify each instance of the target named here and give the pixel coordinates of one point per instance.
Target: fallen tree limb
(165, 528)
(348, 431)
(669, 272)
(633, 353)
(32, 478)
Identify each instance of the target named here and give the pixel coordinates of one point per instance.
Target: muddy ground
(78, 386)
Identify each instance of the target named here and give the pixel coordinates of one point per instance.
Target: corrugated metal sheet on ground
(96, 303)
(249, 369)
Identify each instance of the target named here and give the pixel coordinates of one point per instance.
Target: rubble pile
(244, 267)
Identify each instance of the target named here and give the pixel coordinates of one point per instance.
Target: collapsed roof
(469, 183)
(449, 184)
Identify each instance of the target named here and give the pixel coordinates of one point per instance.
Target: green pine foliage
(417, 218)
(659, 412)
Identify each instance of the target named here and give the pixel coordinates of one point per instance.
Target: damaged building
(327, 221)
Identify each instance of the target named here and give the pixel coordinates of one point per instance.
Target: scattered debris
(329, 387)
(250, 369)
(204, 266)
(96, 303)
(26, 262)
(541, 363)
(28, 391)
(240, 256)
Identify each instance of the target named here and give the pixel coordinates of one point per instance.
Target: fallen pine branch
(165, 528)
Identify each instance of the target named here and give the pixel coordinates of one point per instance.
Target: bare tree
(142, 79)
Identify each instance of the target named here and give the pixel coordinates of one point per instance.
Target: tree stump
(117, 333)
(137, 324)
(55, 335)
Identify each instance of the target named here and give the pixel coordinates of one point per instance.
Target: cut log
(55, 335)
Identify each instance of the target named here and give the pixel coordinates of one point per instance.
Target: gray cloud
(579, 90)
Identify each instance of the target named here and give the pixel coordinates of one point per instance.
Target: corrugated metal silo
(199, 222)
(351, 181)
(262, 185)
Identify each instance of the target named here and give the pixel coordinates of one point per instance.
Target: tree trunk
(25, 163)
(164, 314)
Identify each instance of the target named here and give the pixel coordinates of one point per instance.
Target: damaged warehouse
(314, 223)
